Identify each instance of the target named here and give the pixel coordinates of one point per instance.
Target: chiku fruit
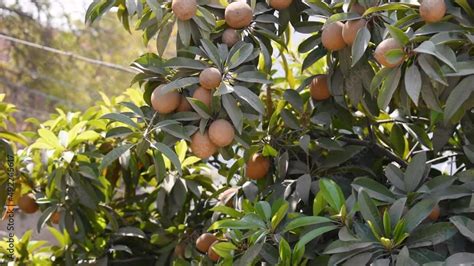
(165, 103)
(210, 78)
(230, 37)
(350, 29)
(331, 37)
(184, 9)
(319, 88)
(257, 167)
(27, 203)
(238, 15)
(204, 241)
(211, 254)
(221, 133)
(202, 146)
(380, 53)
(203, 95)
(184, 105)
(280, 4)
(432, 10)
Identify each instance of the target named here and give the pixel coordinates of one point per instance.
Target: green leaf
(374, 189)
(339, 246)
(279, 215)
(114, 155)
(458, 96)
(224, 249)
(439, 51)
(251, 98)
(183, 62)
(199, 107)
(264, 210)
(307, 237)
(251, 253)
(398, 34)
(319, 203)
(290, 119)
(415, 172)
(332, 193)
(418, 213)
(234, 112)
(388, 88)
(178, 84)
(285, 252)
(305, 221)
(212, 52)
(240, 55)
(49, 137)
(168, 152)
(464, 225)
(369, 211)
(360, 44)
(117, 117)
(431, 235)
(253, 76)
(413, 83)
(397, 140)
(13, 137)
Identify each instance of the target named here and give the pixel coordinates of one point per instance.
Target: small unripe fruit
(331, 37)
(55, 217)
(27, 203)
(184, 9)
(221, 133)
(432, 10)
(434, 215)
(204, 241)
(212, 254)
(280, 4)
(230, 37)
(383, 48)
(210, 78)
(238, 15)
(257, 167)
(184, 105)
(350, 29)
(203, 95)
(202, 146)
(165, 103)
(319, 89)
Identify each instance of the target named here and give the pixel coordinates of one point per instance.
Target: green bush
(379, 171)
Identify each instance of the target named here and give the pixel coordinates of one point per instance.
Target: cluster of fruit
(27, 204)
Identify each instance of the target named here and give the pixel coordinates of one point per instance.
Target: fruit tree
(282, 131)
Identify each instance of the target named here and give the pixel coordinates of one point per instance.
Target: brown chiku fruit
(55, 217)
(385, 46)
(210, 78)
(221, 133)
(319, 89)
(165, 103)
(257, 167)
(434, 215)
(184, 105)
(230, 37)
(204, 241)
(202, 146)
(280, 4)
(27, 203)
(238, 15)
(212, 254)
(350, 29)
(332, 36)
(203, 95)
(432, 10)
(179, 250)
(184, 9)
(357, 8)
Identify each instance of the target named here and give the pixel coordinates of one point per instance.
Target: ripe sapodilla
(165, 103)
(238, 15)
(357, 8)
(331, 37)
(257, 167)
(212, 254)
(221, 133)
(55, 217)
(280, 4)
(184, 105)
(203, 95)
(230, 37)
(319, 89)
(432, 10)
(350, 29)
(434, 214)
(27, 203)
(210, 78)
(202, 146)
(385, 46)
(204, 241)
(184, 9)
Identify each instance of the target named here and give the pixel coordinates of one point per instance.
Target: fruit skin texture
(432, 10)
(319, 88)
(221, 133)
(202, 146)
(166, 103)
(383, 48)
(210, 78)
(280, 4)
(332, 36)
(184, 9)
(184, 105)
(257, 167)
(55, 217)
(205, 96)
(238, 15)
(230, 37)
(212, 254)
(204, 241)
(350, 29)
(27, 203)
(434, 214)
(179, 250)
